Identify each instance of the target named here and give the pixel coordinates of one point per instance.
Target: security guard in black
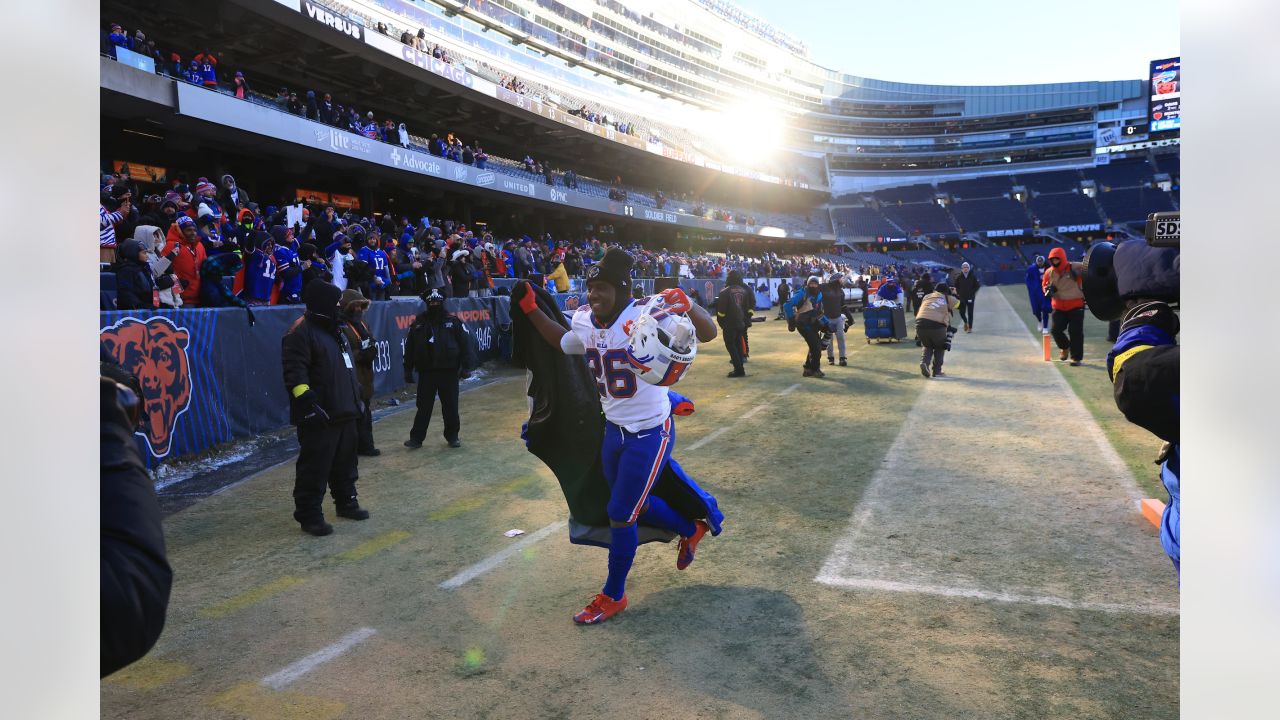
(325, 404)
(441, 351)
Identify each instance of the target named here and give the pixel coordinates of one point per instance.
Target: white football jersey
(628, 401)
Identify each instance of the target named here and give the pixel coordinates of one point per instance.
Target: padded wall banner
(209, 378)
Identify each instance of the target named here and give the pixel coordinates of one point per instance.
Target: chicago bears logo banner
(208, 378)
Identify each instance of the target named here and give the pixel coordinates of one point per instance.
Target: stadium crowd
(320, 106)
(192, 236)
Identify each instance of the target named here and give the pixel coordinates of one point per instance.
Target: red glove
(677, 301)
(528, 301)
(684, 408)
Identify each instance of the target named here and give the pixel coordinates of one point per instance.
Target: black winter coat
(312, 353)
(452, 347)
(734, 307)
(966, 287)
(135, 285)
(134, 573)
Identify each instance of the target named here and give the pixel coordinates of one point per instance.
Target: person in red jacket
(1063, 284)
(191, 255)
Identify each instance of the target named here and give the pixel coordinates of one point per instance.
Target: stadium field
(894, 547)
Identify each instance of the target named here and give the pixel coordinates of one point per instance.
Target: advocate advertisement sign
(1165, 90)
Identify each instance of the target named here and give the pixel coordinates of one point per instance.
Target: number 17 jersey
(628, 401)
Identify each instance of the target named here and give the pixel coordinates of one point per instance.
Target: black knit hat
(614, 268)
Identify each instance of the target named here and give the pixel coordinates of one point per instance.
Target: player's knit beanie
(614, 268)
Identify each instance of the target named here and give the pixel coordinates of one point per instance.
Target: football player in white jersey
(639, 430)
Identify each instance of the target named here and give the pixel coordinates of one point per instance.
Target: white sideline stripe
(754, 410)
(720, 431)
(827, 578)
(282, 679)
(1094, 429)
(500, 557)
(712, 436)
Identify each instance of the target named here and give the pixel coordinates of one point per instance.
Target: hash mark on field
(789, 390)
(369, 547)
(251, 597)
(285, 676)
(499, 557)
(712, 436)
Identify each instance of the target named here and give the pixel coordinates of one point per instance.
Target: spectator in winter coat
(460, 273)
(370, 127)
(261, 268)
(191, 255)
(340, 258)
(833, 313)
(192, 74)
(313, 266)
(328, 111)
(402, 134)
(135, 286)
(107, 222)
(208, 64)
(289, 273)
(734, 308)
(118, 38)
(559, 277)
(241, 85)
(380, 262)
(1040, 306)
(966, 285)
(1063, 284)
(312, 108)
(803, 312)
(153, 240)
(363, 352)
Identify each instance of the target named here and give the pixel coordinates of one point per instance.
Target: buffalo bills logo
(571, 302)
(156, 352)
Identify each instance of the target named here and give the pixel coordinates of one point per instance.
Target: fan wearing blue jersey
(260, 270)
(639, 428)
(379, 262)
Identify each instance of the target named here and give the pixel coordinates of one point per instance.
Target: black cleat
(319, 528)
(373, 452)
(353, 512)
(735, 374)
(413, 444)
(455, 443)
(843, 363)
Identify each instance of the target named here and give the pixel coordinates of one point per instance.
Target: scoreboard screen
(1165, 91)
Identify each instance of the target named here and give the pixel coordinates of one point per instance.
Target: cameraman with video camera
(1138, 283)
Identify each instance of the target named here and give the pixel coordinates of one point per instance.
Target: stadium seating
(942, 257)
(984, 187)
(1075, 252)
(1063, 209)
(924, 217)
(991, 214)
(862, 221)
(908, 193)
(1171, 164)
(1054, 181)
(1121, 174)
(992, 258)
(1133, 204)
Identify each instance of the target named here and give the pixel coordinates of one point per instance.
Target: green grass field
(745, 632)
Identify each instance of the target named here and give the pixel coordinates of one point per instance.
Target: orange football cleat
(689, 545)
(601, 608)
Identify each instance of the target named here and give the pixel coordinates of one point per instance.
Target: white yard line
(500, 557)
(286, 676)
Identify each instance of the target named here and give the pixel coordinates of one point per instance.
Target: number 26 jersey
(628, 401)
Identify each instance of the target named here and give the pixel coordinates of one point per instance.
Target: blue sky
(980, 42)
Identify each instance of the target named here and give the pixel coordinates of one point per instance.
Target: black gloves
(463, 374)
(1154, 313)
(309, 410)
